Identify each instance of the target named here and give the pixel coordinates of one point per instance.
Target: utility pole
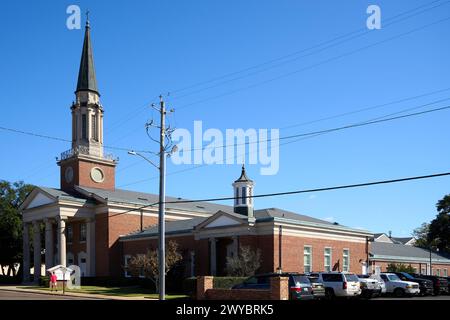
(162, 197)
(165, 149)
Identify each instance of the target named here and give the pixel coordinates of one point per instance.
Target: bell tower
(86, 164)
(243, 195)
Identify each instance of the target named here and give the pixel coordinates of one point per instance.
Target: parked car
(440, 284)
(340, 284)
(317, 286)
(380, 282)
(299, 285)
(369, 287)
(398, 287)
(425, 285)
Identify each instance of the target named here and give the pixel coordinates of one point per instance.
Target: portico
(53, 209)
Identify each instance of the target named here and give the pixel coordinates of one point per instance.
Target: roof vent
(335, 223)
(200, 207)
(145, 199)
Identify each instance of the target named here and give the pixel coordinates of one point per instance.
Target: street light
(161, 218)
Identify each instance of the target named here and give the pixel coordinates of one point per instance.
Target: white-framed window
(126, 262)
(438, 272)
(307, 259)
(244, 194)
(327, 259)
(237, 196)
(82, 232)
(69, 232)
(346, 260)
(445, 273)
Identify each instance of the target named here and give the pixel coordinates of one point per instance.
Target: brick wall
(185, 246)
(76, 246)
(292, 253)
(279, 290)
(419, 266)
(122, 225)
(82, 174)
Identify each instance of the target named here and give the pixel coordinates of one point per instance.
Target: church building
(90, 223)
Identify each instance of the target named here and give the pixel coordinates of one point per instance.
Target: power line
(38, 135)
(298, 52)
(301, 56)
(365, 109)
(348, 186)
(285, 193)
(336, 128)
(303, 137)
(310, 66)
(359, 30)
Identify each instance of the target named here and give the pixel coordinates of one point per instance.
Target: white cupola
(243, 195)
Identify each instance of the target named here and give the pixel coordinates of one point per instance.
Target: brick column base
(203, 283)
(279, 288)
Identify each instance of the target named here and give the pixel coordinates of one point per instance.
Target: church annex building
(90, 223)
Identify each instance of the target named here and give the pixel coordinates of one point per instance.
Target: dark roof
(60, 194)
(280, 213)
(376, 235)
(393, 250)
(86, 75)
(243, 177)
(172, 227)
(275, 213)
(141, 198)
(185, 226)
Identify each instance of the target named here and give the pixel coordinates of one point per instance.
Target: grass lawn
(130, 292)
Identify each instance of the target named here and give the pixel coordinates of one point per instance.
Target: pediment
(37, 198)
(221, 219)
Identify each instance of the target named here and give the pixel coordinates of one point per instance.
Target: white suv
(394, 285)
(340, 284)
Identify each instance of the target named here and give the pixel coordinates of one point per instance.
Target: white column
(62, 240)
(37, 250)
(213, 257)
(49, 245)
(26, 253)
(90, 247)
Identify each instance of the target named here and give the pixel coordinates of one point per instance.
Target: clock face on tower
(97, 175)
(68, 174)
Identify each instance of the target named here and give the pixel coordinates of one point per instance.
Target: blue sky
(144, 48)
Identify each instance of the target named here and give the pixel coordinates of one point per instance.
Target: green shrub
(44, 281)
(227, 282)
(189, 286)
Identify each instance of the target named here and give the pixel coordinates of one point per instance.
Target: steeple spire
(86, 75)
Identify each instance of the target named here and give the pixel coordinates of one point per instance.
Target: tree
(245, 263)
(443, 205)
(11, 196)
(147, 264)
(421, 235)
(392, 267)
(439, 232)
(436, 234)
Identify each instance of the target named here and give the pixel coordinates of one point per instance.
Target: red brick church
(92, 224)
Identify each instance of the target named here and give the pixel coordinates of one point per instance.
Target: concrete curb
(71, 294)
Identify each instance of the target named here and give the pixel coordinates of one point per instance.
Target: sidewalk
(70, 294)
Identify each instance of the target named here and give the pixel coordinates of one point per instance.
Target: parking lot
(415, 298)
